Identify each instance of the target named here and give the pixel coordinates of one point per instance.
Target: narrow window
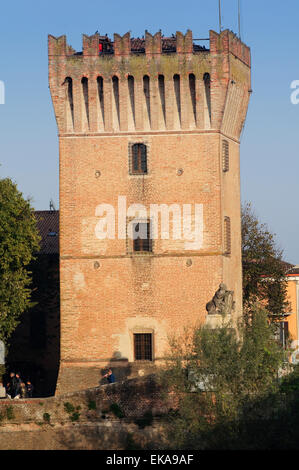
(177, 94)
(142, 237)
(227, 236)
(85, 108)
(115, 101)
(207, 84)
(192, 88)
(101, 115)
(69, 104)
(225, 155)
(131, 107)
(161, 83)
(147, 104)
(143, 347)
(139, 159)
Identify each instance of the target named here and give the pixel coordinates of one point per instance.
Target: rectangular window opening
(139, 159)
(143, 241)
(143, 347)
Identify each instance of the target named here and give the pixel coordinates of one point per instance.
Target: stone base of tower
(216, 321)
(80, 376)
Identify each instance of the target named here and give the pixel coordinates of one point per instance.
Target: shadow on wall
(35, 344)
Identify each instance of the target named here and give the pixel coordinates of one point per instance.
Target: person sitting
(29, 387)
(110, 376)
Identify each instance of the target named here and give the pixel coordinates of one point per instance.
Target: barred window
(227, 236)
(143, 347)
(142, 236)
(225, 155)
(139, 159)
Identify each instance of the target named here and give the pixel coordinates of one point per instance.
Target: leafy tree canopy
(263, 267)
(19, 240)
(222, 383)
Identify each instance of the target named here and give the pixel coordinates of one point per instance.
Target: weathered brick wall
(135, 398)
(108, 435)
(107, 292)
(52, 423)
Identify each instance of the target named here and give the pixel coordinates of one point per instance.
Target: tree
(222, 384)
(19, 240)
(263, 268)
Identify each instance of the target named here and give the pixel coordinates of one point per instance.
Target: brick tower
(144, 121)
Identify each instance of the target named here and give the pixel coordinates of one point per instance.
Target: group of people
(17, 388)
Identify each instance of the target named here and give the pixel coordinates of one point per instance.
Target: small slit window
(139, 159)
(225, 156)
(227, 236)
(143, 347)
(68, 83)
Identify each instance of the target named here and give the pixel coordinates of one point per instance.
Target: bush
(47, 418)
(10, 413)
(75, 416)
(116, 410)
(92, 405)
(69, 408)
(220, 378)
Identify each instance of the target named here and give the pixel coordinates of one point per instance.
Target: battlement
(150, 83)
(125, 45)
(98, 45)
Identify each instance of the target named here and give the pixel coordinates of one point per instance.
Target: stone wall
(106, 417)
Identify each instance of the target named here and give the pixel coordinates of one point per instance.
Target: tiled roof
(138, 45)
(168, 45)
(294, 271)
(48, 227)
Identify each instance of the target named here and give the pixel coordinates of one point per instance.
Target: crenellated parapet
(153, 83)
(122, 45)
(57, 46)
(184, 43)
(153, 44)
(228, 43)
(91, 45)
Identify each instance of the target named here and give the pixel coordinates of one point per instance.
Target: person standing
(18, 386)
(12, 385)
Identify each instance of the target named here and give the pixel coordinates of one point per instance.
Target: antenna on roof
(220, 20)
(52, 205)
(239, 17)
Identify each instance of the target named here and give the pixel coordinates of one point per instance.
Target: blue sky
(269, 149)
